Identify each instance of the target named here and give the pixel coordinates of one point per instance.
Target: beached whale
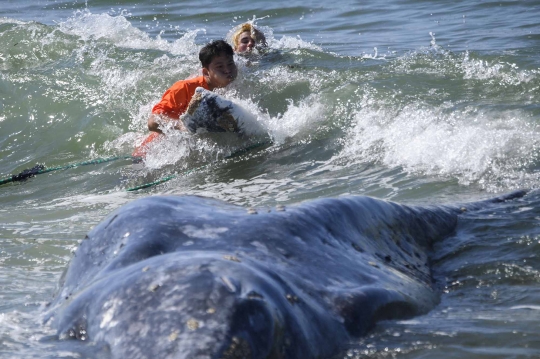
(190, 277)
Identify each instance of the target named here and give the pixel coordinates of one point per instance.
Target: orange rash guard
(173, 104)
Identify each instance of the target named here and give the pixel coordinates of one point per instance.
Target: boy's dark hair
(213, 49)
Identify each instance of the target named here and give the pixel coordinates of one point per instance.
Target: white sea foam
(298, 120)
(473, 146)
(7, 20)
(505, 73)
(118, 30)
(288, 42)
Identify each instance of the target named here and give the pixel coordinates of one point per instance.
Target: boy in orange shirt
(218, 70)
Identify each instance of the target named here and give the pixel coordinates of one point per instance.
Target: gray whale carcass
(190, 277)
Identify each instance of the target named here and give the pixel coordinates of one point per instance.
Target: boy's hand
(157, 122)
(154, 123)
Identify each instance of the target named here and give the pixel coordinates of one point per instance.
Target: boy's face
(221, 71)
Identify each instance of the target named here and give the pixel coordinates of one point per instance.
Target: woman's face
(245, 42)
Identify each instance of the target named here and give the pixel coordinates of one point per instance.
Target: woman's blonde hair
(256, 34)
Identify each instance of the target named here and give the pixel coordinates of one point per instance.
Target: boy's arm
(167, 112)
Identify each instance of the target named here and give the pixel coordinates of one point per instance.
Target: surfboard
(210, 112)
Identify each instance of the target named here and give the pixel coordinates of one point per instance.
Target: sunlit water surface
(419, 102)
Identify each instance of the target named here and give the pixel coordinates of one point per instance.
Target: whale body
(191, 277)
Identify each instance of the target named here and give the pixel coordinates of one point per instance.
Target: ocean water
(418, 102)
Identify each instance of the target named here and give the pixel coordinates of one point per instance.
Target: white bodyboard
(209, 112)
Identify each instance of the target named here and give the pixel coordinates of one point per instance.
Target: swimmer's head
(246, 37)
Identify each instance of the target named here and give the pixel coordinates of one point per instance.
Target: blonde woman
(245, 37)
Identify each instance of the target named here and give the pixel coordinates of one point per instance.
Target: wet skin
(221, 72)
(245, 42)
(189, 277)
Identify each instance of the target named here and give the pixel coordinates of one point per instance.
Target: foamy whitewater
(418, 102)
